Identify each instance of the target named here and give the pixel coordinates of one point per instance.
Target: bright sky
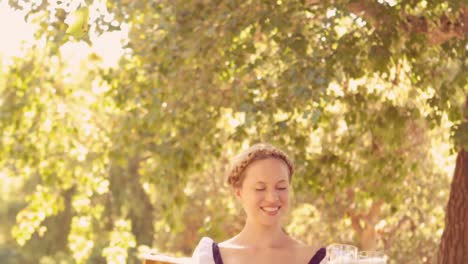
(16, 34)
(13, 30)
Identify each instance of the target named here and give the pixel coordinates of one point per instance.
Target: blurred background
(118, 120)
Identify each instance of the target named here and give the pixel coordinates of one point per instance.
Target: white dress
(203, 253)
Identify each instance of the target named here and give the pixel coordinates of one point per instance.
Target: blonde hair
(261, 151)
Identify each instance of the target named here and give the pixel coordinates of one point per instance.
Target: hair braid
(256, 152)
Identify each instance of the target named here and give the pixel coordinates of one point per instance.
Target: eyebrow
(265, 182)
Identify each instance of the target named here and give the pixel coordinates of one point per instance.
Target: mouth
(271, 210)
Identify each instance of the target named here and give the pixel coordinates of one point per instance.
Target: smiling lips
(271, 210)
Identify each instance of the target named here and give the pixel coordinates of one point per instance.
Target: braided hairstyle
(260, 151)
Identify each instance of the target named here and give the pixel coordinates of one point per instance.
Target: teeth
(270, 209)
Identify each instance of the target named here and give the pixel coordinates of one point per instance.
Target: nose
(272, 196)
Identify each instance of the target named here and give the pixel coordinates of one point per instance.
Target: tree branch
(372, 216)
(391, 235)
(444, 29)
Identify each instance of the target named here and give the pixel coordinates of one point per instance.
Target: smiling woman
(261, 180)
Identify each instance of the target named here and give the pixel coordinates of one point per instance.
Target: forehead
(267, 170)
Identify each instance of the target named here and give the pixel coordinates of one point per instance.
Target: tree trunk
(453, 247)
(454, 244)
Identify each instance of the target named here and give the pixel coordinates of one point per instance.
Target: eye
(259, 189)
(282, 188)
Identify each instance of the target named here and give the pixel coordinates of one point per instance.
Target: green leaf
(79, 24)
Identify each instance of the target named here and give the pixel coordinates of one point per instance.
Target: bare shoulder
(232, 252)
(229, 244)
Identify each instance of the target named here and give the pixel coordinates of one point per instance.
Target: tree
(453, 248)
(358, 92)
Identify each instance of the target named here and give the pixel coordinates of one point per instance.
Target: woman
(261, 180)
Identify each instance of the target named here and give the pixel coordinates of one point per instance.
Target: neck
(260, 236)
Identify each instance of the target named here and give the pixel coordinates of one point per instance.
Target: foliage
(134, 155)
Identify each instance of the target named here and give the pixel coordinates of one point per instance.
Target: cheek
(252, 199)
(258, 197)
(284, 196)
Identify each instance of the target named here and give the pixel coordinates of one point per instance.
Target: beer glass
(341, 254)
